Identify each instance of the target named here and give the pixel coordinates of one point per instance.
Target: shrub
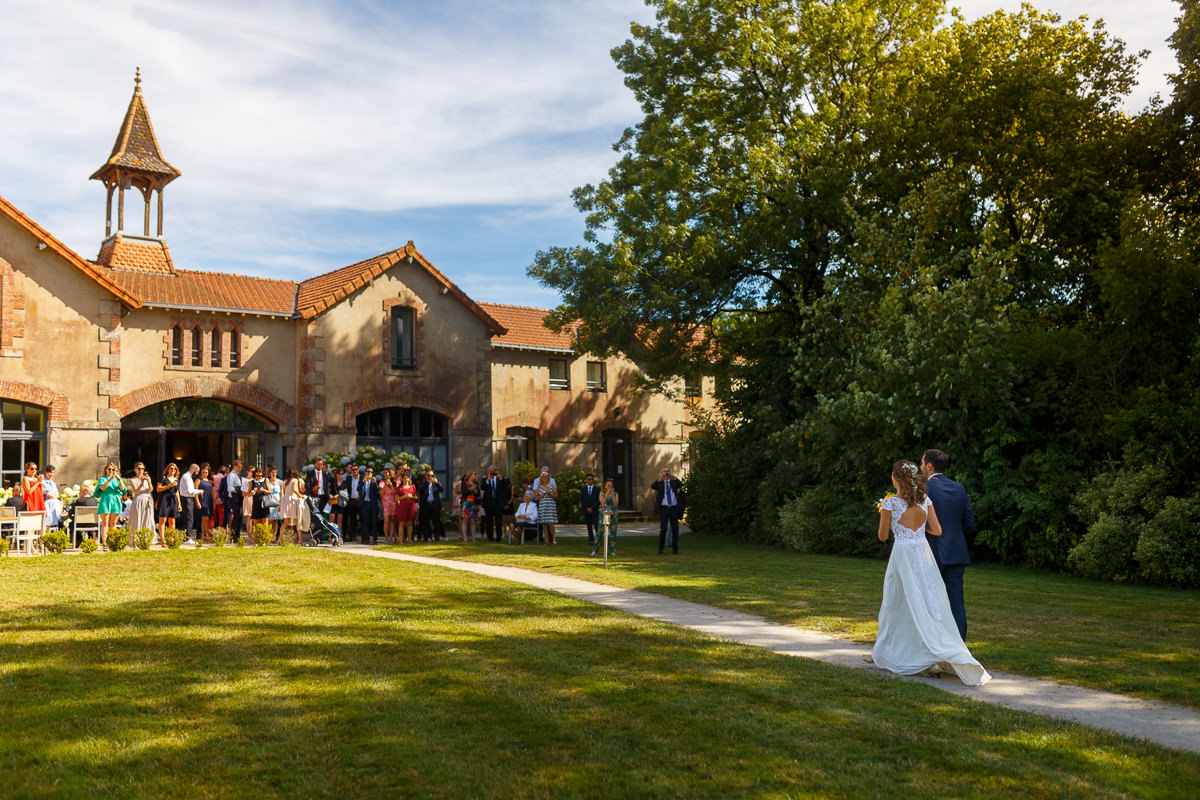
(173, 538)
(263, 533)
(1106, 551)
(55, 541)
(3, 546)
(217, 537)
(1168, 551)
(143, 538)
(569, 482)
(89, 545)
(820, 520)
(117, 539)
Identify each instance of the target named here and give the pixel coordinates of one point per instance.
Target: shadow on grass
(302, 674)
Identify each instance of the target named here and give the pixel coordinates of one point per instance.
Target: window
(22, 437)
(520, 446)
(197, 349)
(403, 337)
(177, 346)
(596, 381)
(560, 378)
(424, 434)
(215, 358)
(693, 388)
(235, 349)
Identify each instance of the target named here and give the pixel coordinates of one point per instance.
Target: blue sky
(315, 134)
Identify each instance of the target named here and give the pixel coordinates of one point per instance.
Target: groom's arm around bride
(950, 549)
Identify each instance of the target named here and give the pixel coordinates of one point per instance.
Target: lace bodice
(898, 506)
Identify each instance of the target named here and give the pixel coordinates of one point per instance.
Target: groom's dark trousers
(950, 549)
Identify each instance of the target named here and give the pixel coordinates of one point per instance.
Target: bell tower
(136, 163)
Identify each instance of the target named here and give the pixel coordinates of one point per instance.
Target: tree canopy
(886, 228)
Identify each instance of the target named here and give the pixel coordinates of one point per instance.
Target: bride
(916, 629)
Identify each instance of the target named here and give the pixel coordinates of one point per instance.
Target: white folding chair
(30, 527)
(8, 522)
(85, 519)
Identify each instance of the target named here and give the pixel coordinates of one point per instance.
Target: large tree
(895, 229)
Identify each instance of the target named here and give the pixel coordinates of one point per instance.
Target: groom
(950, 549)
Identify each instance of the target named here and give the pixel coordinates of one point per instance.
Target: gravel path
(1162, 723)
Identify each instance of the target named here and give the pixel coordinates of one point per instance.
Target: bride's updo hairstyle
(910, 480)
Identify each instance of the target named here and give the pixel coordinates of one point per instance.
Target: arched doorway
(423, 433)
(195, 430)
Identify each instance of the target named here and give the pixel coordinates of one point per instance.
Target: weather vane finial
(137, 78)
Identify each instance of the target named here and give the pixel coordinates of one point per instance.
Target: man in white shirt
(189, 495)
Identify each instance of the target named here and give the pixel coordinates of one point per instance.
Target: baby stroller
(320, 530)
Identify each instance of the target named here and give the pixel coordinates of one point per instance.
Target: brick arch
(36, 395)
(350, 411)
(269, 405)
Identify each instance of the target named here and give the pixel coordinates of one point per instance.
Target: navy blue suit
(368, 509)
(950, 549)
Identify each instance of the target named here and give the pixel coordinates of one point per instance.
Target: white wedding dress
(916, 629)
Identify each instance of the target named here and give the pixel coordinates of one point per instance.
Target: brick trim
(11, 301)
(206, 326)
(350, 411)
(36, 395)
(260, 400)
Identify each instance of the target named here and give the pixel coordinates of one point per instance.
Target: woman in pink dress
(406, 507)
(387, 499)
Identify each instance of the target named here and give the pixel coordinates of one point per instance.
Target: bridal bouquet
(879, 502)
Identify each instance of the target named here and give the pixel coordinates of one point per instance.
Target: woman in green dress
(110, 491)
(608, 509)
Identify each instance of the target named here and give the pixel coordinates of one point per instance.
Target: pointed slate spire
(136, 162)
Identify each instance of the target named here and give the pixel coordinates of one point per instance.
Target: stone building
(129, 358)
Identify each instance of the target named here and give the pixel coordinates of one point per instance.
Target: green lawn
(298, 673)
(1135, 640)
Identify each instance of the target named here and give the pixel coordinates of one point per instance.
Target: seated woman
(526, 518)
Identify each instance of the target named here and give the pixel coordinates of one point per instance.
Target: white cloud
(285, 117)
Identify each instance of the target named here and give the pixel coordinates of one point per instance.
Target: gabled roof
(526, 331)
(210, 291)
(136, 148)
(96, 273)
(317, 295)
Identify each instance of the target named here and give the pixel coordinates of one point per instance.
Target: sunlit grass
(1137, 640)
(295, 673)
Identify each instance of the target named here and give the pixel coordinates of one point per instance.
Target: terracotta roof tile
(141, 255)
(315, 295)
(209, 290)
(525, 328)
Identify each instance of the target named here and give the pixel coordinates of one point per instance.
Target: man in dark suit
(350, 486)
(368, 506)
(429, 504)
(316, 485)
(231, 496)
(497, 494)
(950, 549)
(669, 503)
(589, 504)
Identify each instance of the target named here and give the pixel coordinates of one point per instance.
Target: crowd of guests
(406, 506)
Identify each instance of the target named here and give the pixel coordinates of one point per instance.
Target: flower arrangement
(69, 494)
(374, 457)
(880, 501)
(5, 493)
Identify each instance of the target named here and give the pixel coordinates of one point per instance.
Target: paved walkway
(1162, 723)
